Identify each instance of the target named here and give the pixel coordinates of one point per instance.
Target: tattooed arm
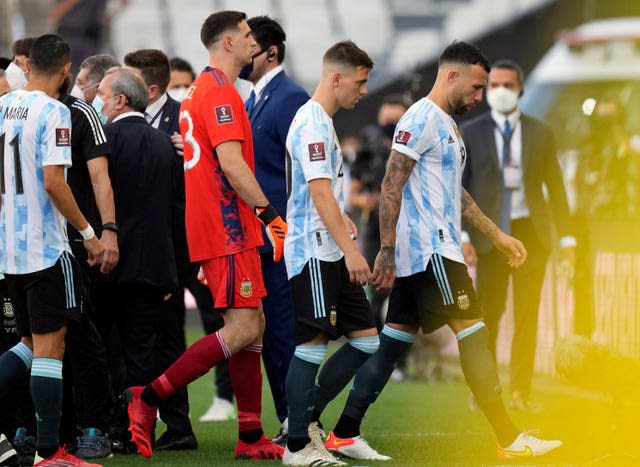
(511, 247)
(398, 170)
(473, 216)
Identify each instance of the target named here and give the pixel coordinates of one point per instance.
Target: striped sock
(246, 380)
(300, 388)
(198, 359)
(13, 364)
(371, 378)
(46, 392)
(340, 368)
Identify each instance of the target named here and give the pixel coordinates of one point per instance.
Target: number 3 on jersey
(191, 141)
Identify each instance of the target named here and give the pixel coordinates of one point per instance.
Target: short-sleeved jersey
(430, 214)
(313, 152)
(35, 131)
(218, 221)
(88, 142)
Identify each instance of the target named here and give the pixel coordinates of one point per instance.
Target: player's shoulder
(312, 113)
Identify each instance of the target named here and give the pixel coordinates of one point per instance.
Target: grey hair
(97, 66)
(132, 86)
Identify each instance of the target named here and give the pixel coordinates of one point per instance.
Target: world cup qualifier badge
(246, 288)
(463, 300)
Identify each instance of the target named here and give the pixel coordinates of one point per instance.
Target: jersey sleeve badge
(224, 114)
(317, 152)
(402, 137)
(63, 137)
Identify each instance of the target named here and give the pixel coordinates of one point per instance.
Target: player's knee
(366, 344)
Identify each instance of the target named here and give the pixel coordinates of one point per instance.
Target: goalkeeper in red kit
(224, 211)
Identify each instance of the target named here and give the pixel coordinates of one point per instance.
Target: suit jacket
(270, 120)
(170, 123)
(482, 177)
(144, 173)
(169, 120)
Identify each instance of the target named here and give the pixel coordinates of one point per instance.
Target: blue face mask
(97, 105)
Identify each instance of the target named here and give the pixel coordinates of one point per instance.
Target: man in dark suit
(511, 162)
(271, 106)
(144, 173)
(162, 112)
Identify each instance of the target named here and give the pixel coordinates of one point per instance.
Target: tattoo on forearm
(386, 260)
(398, 170)
(473, 216)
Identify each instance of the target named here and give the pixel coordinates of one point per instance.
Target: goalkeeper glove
(276, 229)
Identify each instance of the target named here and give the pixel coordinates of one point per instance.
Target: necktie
(505, 212)
(147, 117)
(248, 105)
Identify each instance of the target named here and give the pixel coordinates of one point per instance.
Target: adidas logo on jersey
(451, 140)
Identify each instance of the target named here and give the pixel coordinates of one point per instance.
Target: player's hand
(276, 229)
(95, 250)
(469, 252)
(357, 266)
(111, 255)
(512, 248)
(178, 143)
(352, 229)
(384, 270)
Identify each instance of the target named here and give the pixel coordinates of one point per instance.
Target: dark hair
(464, 52)
(508, 64)
(180, 64)
(153, 65)
(48, 54)
(396, 99)
(218, 23)
(4, 63)
(267, 32)
(23, 46)
(347, 53)
(97, 66)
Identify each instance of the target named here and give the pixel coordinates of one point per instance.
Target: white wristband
(88, 233)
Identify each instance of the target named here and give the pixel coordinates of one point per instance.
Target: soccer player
(422, 202)
(223, 233)
(41, 274)
(326, 271)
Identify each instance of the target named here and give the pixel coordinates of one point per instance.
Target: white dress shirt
(153, 113)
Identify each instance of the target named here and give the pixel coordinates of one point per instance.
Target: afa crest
(246, 288)
(463, 301)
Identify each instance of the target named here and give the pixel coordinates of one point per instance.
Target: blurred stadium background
(404, 37)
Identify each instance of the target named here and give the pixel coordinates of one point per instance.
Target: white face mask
(178, 93)
(502, 99)
(77, 92)
(15, 76)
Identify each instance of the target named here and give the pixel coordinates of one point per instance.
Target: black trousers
(88, 399)
(493, 274)
(171, 345)
(129, 317)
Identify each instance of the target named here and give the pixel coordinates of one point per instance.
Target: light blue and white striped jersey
(430, 215)
(313, 152)
(35, 131)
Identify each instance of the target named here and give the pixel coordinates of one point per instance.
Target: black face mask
(388, 130)
(246, 70)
